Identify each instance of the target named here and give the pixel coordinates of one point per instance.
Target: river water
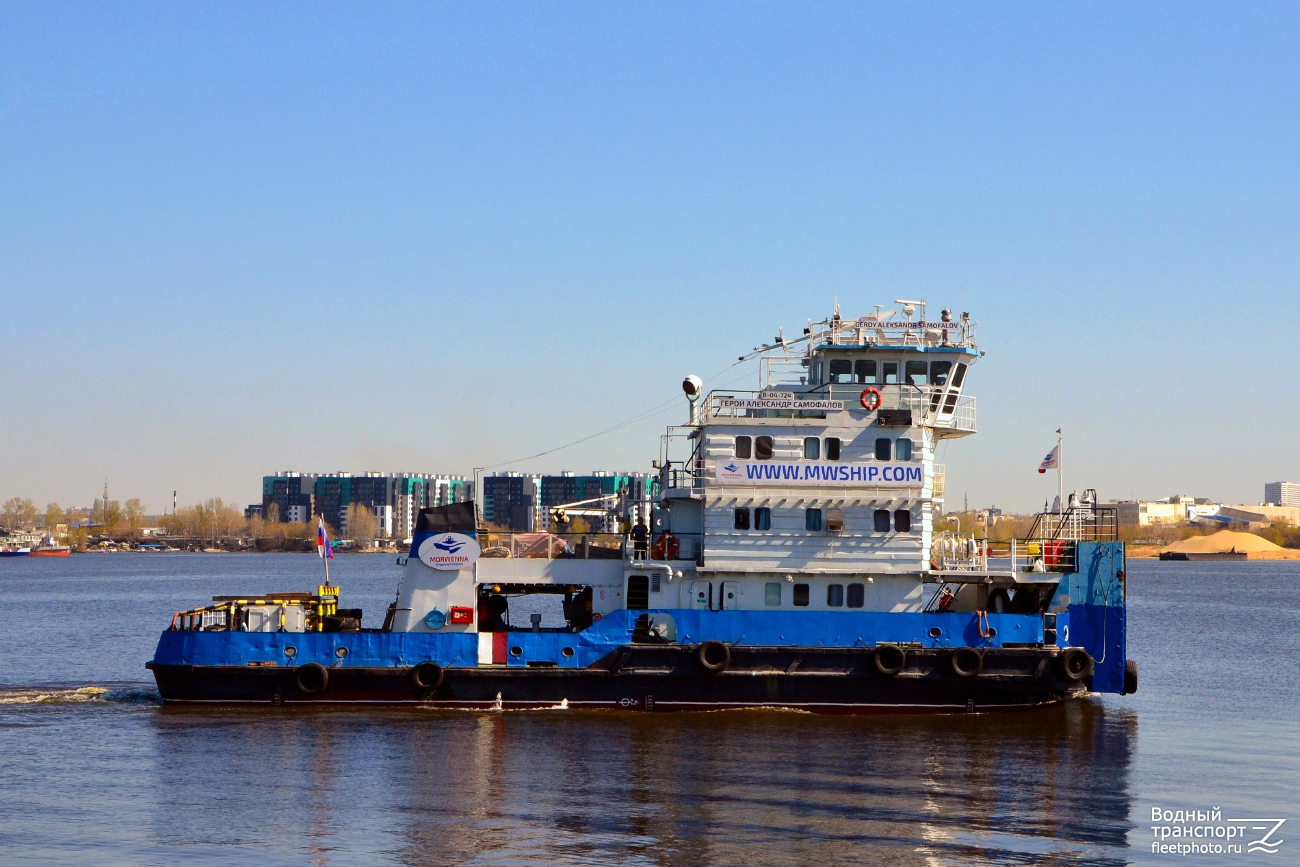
(94, 771)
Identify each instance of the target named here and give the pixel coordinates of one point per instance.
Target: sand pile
(1230, 540)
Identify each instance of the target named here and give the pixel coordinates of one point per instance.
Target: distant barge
(1204, 555)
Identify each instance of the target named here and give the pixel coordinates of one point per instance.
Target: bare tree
(134, 514)
(10, 511)
(362, 525)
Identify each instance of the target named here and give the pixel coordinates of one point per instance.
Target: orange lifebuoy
(870, 399)
(666, 547)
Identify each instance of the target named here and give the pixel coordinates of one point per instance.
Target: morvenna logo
(450, 544)
(731, 471)
(449, 551)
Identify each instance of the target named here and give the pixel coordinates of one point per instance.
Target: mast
(1060, 468)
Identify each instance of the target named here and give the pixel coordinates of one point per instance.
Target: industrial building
(1173, 510)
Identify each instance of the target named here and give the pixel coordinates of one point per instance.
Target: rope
(650, 413)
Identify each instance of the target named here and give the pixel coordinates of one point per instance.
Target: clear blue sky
(236, 238)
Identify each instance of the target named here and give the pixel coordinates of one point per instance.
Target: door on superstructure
(730, 597)
(702, 595)
(948, 377)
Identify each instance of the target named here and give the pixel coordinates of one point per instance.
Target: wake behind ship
(784, 556)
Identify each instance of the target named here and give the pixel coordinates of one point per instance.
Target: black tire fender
(966, 661)
(889, 659)
(427, 675)
(1074, 663)
(312, 678)
(1130, 676)
(715, 656)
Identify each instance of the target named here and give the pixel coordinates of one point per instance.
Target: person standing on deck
(640, 540)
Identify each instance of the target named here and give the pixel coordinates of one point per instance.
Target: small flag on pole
(1052, 461)
(323, 546)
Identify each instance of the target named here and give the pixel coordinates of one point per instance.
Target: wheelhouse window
(939, 371)
(812, 448)
(812, 520)
(834, 595)
(882, 520)
(891, 372)
(857, 595)
(903, 449)
(864, 371)
(742, 519)
(744, 447)
(883, 449)
(959, 376)
(917, 373)
(763, 448)
(762, 518)
(841, 370)
(772, 594)
(903, 521)
(801, 595)
(832, 448)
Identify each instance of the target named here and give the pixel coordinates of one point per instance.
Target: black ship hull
(829, 680)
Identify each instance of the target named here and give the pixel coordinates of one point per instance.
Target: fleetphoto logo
(1206, 832)
(449, 551)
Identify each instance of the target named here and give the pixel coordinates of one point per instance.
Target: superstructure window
(772, 594)
(841, 370)
(744, 446)
(834, 595)
(812, 448)
(903, 521)
(801, 595)
(832, 448)
(762, 518)
(763, 448)
(882, 520)
(883, 448)
(903, 449)
(939, 371)
(959, 376)
(891, 372)
(812, 519)
(857, 595)
(917, 373)
(864, 371)
(742, 519)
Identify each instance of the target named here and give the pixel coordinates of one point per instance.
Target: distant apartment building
(395, 499)
(292, 494)
(523, 502)
(510, 500)
(1282, 494)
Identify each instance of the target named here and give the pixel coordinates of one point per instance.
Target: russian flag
(323, 546)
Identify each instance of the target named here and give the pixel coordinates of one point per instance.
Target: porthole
(935, 632)
(291, 652)
(516, 651)
(567, 653)
(341, 652)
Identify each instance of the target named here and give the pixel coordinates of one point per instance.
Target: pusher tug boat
(789, 561)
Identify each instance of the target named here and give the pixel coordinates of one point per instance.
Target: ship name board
(891, 475)
(868, 322)
(778, 400)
